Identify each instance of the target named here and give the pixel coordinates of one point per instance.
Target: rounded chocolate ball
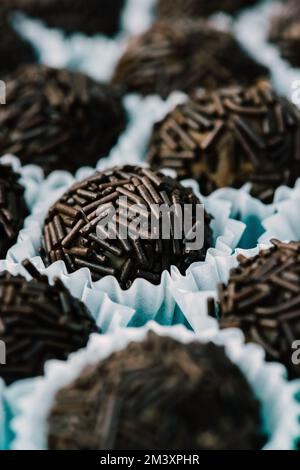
(231, 137)
(158, 394)
(38, 322)
(13, 209)
(262, 298)
(85, 228)
(86, 16)
(183, 55)
(59, 120)
(14, 50)
(194, 8)
(285, 31)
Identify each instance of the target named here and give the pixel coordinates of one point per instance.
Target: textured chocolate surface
(158, 394)
(263, 299)
(70, 232)
(194, 8)
(39, 322)
(231, 137)
(87, 16)
(13, 209)
(14, 51)
(285, 31)
(58, 119)
(184, 55)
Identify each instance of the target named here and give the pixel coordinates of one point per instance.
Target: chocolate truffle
(158, 394)
(86, 16)
(194, 8)
(59, 120)
(13, 209)
(14, 51)
(285, 31)
(230, 137)
(263, 299)
(38, 322)
(139, 202)
(184, 55)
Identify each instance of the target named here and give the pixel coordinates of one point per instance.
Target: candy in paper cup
(106, 313)
(280, 410)
(150, 302)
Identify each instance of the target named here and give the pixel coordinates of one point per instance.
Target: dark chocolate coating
(285, 31)
(158, 394)
(39, 322)
(86, 16)
(13, 209)
(14, 50)
(231, 137)
(184, 55)
(194, 8)
(59, 120)
(263, 299)
(71, 226)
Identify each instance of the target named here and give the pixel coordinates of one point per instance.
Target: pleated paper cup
(280, 410)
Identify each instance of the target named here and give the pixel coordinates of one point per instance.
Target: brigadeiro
(57, 119)
(158, 394)
(285, 31)
(262, 298)
(14, 51)
(13, 209)
(230, 137)
(183, 55)
(194, 8)
(86, 16)
(39, 321)
(135, 244)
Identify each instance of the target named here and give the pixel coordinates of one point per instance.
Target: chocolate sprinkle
(59, 120)
(158, 394)
(38, 322)
(86, 16)
(263, 299)
(13, 209)
(285, 31)
(79, 245)
(230, 137)
(184, 55)
(195, 8)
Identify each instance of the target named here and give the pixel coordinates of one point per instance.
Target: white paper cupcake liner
(280, 411)
(284, 224)
(255, 214)
(149, 302)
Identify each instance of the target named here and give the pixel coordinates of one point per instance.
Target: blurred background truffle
(183, 55)
(158, 394)
(59, 120)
